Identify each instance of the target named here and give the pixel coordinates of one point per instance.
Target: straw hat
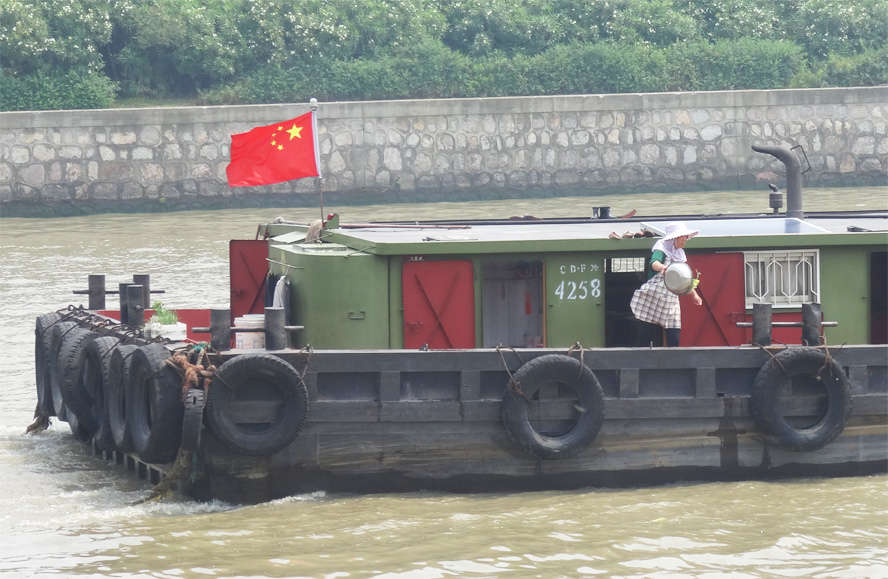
(677, 229)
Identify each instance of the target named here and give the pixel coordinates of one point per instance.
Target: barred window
(782, 278)
(625, 264)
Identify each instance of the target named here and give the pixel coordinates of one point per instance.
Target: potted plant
(165, 323)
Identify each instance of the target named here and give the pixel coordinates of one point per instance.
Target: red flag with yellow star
(276, 153)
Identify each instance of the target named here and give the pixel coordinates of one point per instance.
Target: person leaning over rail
(653, 304)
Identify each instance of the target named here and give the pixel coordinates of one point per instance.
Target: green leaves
(81, 53)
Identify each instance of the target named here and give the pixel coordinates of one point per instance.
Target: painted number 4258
(571, 290)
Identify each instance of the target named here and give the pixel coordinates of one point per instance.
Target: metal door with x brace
(723, 293)
(439, 304)
(247, 267)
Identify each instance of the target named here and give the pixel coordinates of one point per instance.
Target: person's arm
(696, 297)
(657, 259)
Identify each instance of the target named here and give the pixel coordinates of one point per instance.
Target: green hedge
(434, 71)
(74, 90)
(256, 51)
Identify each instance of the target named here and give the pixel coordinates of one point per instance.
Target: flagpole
(313, 105)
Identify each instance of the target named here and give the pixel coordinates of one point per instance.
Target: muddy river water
(66, 513)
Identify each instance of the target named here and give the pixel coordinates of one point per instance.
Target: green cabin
(561, 282)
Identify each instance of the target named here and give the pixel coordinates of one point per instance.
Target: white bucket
(250, 340)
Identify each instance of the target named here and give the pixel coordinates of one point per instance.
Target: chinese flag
(276, 153)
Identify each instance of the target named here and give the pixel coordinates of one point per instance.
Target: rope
(514, 386)
(164, 488)
(772, 355)
(41, 421)
(577, 347)
(197, 375)
(827, 361)
(309, 351)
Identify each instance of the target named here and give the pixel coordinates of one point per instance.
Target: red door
(439, 304)
(722, 288)
(247, 268)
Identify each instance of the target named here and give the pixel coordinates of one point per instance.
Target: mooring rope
(197, 375)
(514, 386)
(578, 347)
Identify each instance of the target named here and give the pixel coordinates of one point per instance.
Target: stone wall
(73, 162)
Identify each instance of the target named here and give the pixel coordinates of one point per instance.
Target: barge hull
(436, 424)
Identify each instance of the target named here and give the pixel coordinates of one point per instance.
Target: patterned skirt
(654, 303)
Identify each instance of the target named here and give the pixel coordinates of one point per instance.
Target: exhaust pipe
(793, 176)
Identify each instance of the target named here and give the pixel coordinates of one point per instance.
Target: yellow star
(294, 132)
(273, 142)
(280, 147)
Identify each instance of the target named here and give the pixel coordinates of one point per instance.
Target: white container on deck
(250, 340)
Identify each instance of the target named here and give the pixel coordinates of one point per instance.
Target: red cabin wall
(722, 288)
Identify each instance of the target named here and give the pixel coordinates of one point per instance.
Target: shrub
(83, 89)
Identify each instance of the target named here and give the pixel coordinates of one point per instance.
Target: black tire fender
(71, 360)
(42, 367)
(257, 378)
(56, 335)
(562, 370)
(192, 422)
(80, 432)
(97, 383)
(154, 405)
(116, 400)
(800, 363)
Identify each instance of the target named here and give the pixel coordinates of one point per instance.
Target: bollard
(220, 329)
(135, 313)
(124, 313)
(144, 280)
(812, 318)
(275, 334)
(96, 292)
(761, 324)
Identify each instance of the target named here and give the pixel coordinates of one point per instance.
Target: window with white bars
(624, 264)
(782, 278)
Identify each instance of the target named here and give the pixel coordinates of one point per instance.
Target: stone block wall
(74, 162)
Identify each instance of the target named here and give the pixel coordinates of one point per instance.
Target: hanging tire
(274, 391)
(154, 405)
(115, 403)
(70, 364)
(801, 368)
(192, 422)
(565, 372)
(80, 432)
(42, 368)
(56, 335)
(96, 381)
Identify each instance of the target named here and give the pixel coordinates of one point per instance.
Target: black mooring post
(96, 292)
(144, 280)
(761, 324)
(812, 321)
(275, 334)
(124, 313)
(220, 329)
(135, 312)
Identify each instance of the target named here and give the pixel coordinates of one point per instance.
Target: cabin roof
(575, 234)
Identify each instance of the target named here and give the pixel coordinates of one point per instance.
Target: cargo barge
(494, 355)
